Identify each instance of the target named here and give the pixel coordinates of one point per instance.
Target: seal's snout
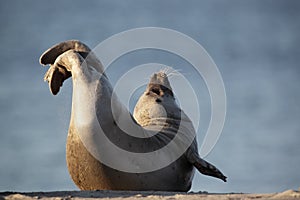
(159, 85)
(156, 90)
(160, 78)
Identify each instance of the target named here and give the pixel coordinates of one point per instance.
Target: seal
(156, 121)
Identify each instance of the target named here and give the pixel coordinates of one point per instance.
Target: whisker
(174, 72)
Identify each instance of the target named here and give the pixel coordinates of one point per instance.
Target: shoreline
(140, 195)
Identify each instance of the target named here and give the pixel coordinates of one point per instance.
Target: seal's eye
(158, 100)
(155, 90)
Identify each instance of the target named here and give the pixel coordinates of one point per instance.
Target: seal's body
(89, 174)
(157, 121)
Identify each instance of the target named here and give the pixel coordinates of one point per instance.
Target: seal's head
(157, 102)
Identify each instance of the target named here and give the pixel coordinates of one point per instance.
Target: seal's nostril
(155, 90)
(158, 100)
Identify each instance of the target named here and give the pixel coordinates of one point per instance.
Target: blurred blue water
(254, 43)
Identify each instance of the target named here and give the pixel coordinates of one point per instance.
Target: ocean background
(254, 43)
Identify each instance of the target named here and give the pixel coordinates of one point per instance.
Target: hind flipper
(49, 56)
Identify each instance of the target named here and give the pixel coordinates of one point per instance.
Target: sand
(132, 195)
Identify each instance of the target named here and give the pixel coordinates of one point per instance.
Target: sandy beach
(141, 195)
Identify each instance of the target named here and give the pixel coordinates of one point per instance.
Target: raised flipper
(203, 166)
(57, 72)
(55, 76)
(49, 56)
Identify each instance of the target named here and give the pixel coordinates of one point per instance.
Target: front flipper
(203, 166)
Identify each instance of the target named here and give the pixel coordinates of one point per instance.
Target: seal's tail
(203, 166)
